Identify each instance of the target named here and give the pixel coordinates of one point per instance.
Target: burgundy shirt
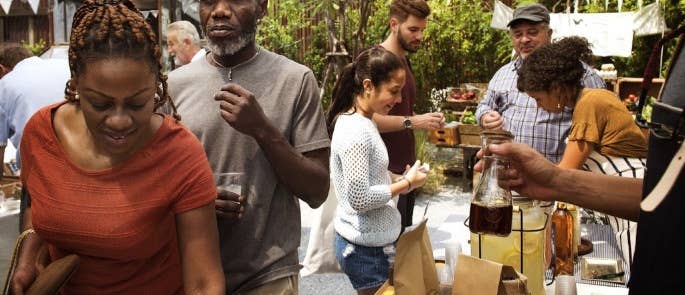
(400, 144)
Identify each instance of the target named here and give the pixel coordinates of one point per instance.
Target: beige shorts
(283, 286)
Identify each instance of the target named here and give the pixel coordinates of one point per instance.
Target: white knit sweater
(366, 213)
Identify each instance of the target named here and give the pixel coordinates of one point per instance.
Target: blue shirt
(529, 124)
(33, 83)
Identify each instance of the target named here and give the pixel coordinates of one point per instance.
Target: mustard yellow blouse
(600, 117)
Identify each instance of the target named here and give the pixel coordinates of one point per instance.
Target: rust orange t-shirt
(121, 220)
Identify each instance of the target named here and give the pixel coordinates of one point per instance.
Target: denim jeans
(366, 267)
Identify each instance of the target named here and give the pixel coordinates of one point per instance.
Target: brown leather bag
(51, 279)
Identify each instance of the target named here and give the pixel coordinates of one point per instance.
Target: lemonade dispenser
(524, 248)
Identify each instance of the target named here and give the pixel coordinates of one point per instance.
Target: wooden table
(469, 160)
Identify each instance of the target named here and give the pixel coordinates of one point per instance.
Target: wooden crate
(469, 134)
(459, 105)
(447, 136)
(626, 85)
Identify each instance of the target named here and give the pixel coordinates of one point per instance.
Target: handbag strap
(15, 258)
(667, 181)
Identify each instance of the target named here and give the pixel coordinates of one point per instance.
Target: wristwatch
(407, 123)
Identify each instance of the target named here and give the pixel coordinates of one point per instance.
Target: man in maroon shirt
(408, 19)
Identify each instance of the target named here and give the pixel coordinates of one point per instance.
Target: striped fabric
(530, 125)
(624, 230)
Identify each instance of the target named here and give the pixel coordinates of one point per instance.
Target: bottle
(562, 222)
(576, 228)
(491, 207)
(524, 249)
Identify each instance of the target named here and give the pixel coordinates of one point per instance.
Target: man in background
(408, 20)
(183, 43)
(28, 83)
(503, 106)
(257, 113)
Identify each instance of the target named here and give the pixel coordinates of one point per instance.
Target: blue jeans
(366, 267)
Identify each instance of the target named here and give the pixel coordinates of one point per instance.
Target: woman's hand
(31, 263)
(24, 275)
(415, 176)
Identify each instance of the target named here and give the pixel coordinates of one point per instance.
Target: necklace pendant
(230, 74)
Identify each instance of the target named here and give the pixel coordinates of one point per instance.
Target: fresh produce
(449, 117)
(468, 118)
(463, 95)
(647, 109)
(631, 101)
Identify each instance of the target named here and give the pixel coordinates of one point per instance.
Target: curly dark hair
(556, 65)
(104, 29)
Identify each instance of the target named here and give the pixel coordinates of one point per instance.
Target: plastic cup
(565, 285)
(452, 251)
(229, 182)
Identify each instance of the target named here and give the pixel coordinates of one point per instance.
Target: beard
(409, 47)
(178, 62)
(232, 45)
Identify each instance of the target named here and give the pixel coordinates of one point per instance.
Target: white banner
(501, 16)
(5, 4)
(611, 34)
(34, 5)
(649, 20)
(192, 8)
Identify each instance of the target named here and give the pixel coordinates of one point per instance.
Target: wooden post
(165, 14)
(31, 30)
(51, 26)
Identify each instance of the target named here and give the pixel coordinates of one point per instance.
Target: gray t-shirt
(262, 246)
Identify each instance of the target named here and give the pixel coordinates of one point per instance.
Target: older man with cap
(505, 107)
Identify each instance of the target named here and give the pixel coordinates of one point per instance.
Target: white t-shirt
(32, 84)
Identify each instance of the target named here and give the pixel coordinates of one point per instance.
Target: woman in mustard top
(603, 137)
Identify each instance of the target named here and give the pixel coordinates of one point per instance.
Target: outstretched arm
(533, 176)
(576, 153)
(427, 121)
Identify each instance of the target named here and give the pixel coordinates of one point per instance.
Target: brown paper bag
(414, 269)
(479, 276)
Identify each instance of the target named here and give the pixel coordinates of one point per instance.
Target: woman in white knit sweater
(367, 222)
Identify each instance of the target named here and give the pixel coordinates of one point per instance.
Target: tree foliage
(459, 44)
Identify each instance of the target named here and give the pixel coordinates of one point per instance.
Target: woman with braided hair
(127, 189)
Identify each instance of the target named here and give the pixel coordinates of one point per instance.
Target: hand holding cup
(230, 200)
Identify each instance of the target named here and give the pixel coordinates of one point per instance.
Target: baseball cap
(534, 13)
